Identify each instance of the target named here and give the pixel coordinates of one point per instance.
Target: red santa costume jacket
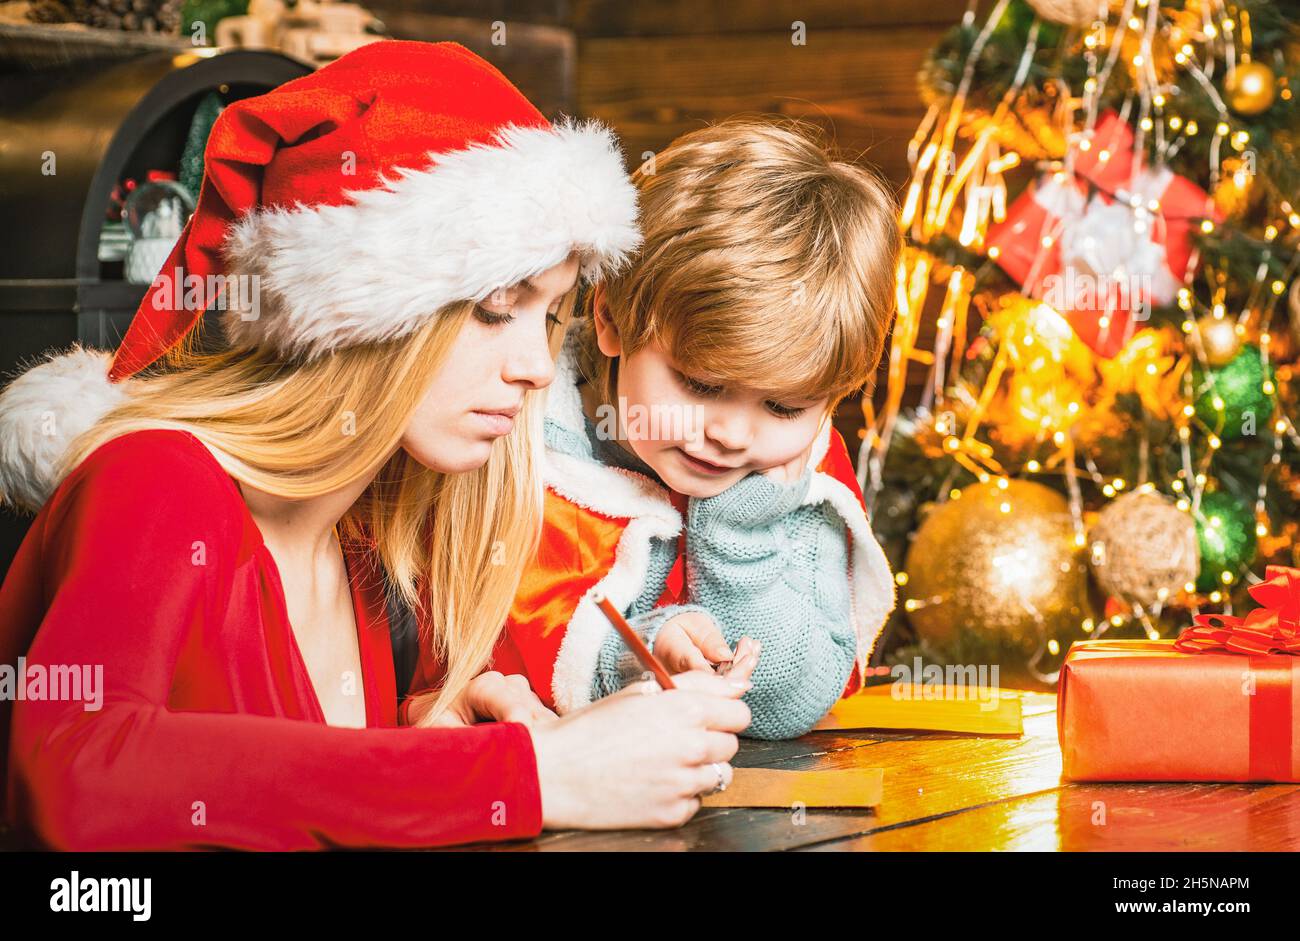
(146, 561)
(599, 521)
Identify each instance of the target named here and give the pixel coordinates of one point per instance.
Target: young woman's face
(502, 353)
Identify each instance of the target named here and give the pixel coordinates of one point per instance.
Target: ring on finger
(722, 779)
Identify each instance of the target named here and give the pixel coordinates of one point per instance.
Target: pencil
(634, 641)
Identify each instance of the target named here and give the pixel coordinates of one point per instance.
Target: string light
(1046, 395)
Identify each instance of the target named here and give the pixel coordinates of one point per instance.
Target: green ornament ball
(1225, 535)
(1239, 386)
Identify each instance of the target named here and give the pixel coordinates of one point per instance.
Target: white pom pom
(42, 412)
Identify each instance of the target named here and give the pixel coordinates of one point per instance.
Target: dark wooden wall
(655, 70)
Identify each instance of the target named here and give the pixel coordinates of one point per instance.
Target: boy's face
(701, 437)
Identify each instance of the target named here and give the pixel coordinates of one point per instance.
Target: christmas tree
(1099, 301)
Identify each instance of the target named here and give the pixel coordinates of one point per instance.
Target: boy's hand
(742, 665)
(793, 469)
(690, 641)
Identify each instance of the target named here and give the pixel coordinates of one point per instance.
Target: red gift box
(1218, 704)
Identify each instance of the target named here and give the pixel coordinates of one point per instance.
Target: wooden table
(946, 791)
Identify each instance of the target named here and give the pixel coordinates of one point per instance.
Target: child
(699, 389)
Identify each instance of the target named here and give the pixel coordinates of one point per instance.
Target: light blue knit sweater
(761, 565)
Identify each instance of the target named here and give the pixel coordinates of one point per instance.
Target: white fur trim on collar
(476, 220)
(610, 491)
(871, 582)
(575, 665)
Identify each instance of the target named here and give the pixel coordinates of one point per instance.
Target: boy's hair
(765, 263)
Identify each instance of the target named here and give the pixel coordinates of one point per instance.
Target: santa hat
(345, 207)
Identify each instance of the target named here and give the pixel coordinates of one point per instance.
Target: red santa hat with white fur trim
(351, 205)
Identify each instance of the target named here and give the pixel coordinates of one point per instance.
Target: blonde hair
(453, 545)
(765, 262)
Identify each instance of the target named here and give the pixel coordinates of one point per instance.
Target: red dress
(146, 561)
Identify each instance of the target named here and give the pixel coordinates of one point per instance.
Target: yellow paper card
(770, 787)
(951, 709)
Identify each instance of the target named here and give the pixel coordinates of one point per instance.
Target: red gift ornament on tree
(1104, 244)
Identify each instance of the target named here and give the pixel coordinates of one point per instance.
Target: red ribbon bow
(1272, 628)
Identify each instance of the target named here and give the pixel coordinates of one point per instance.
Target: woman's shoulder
(161, 473)
(155, 455)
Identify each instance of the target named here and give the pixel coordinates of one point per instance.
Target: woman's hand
(642, 757)
(693, 641)
(491, 696)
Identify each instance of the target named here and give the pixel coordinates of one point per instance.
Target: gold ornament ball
(1000, 562)
(1250, 87)
(1070, 12)
(1143, 548)
(1219, 339)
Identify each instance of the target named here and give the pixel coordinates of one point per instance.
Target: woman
(402, 232)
